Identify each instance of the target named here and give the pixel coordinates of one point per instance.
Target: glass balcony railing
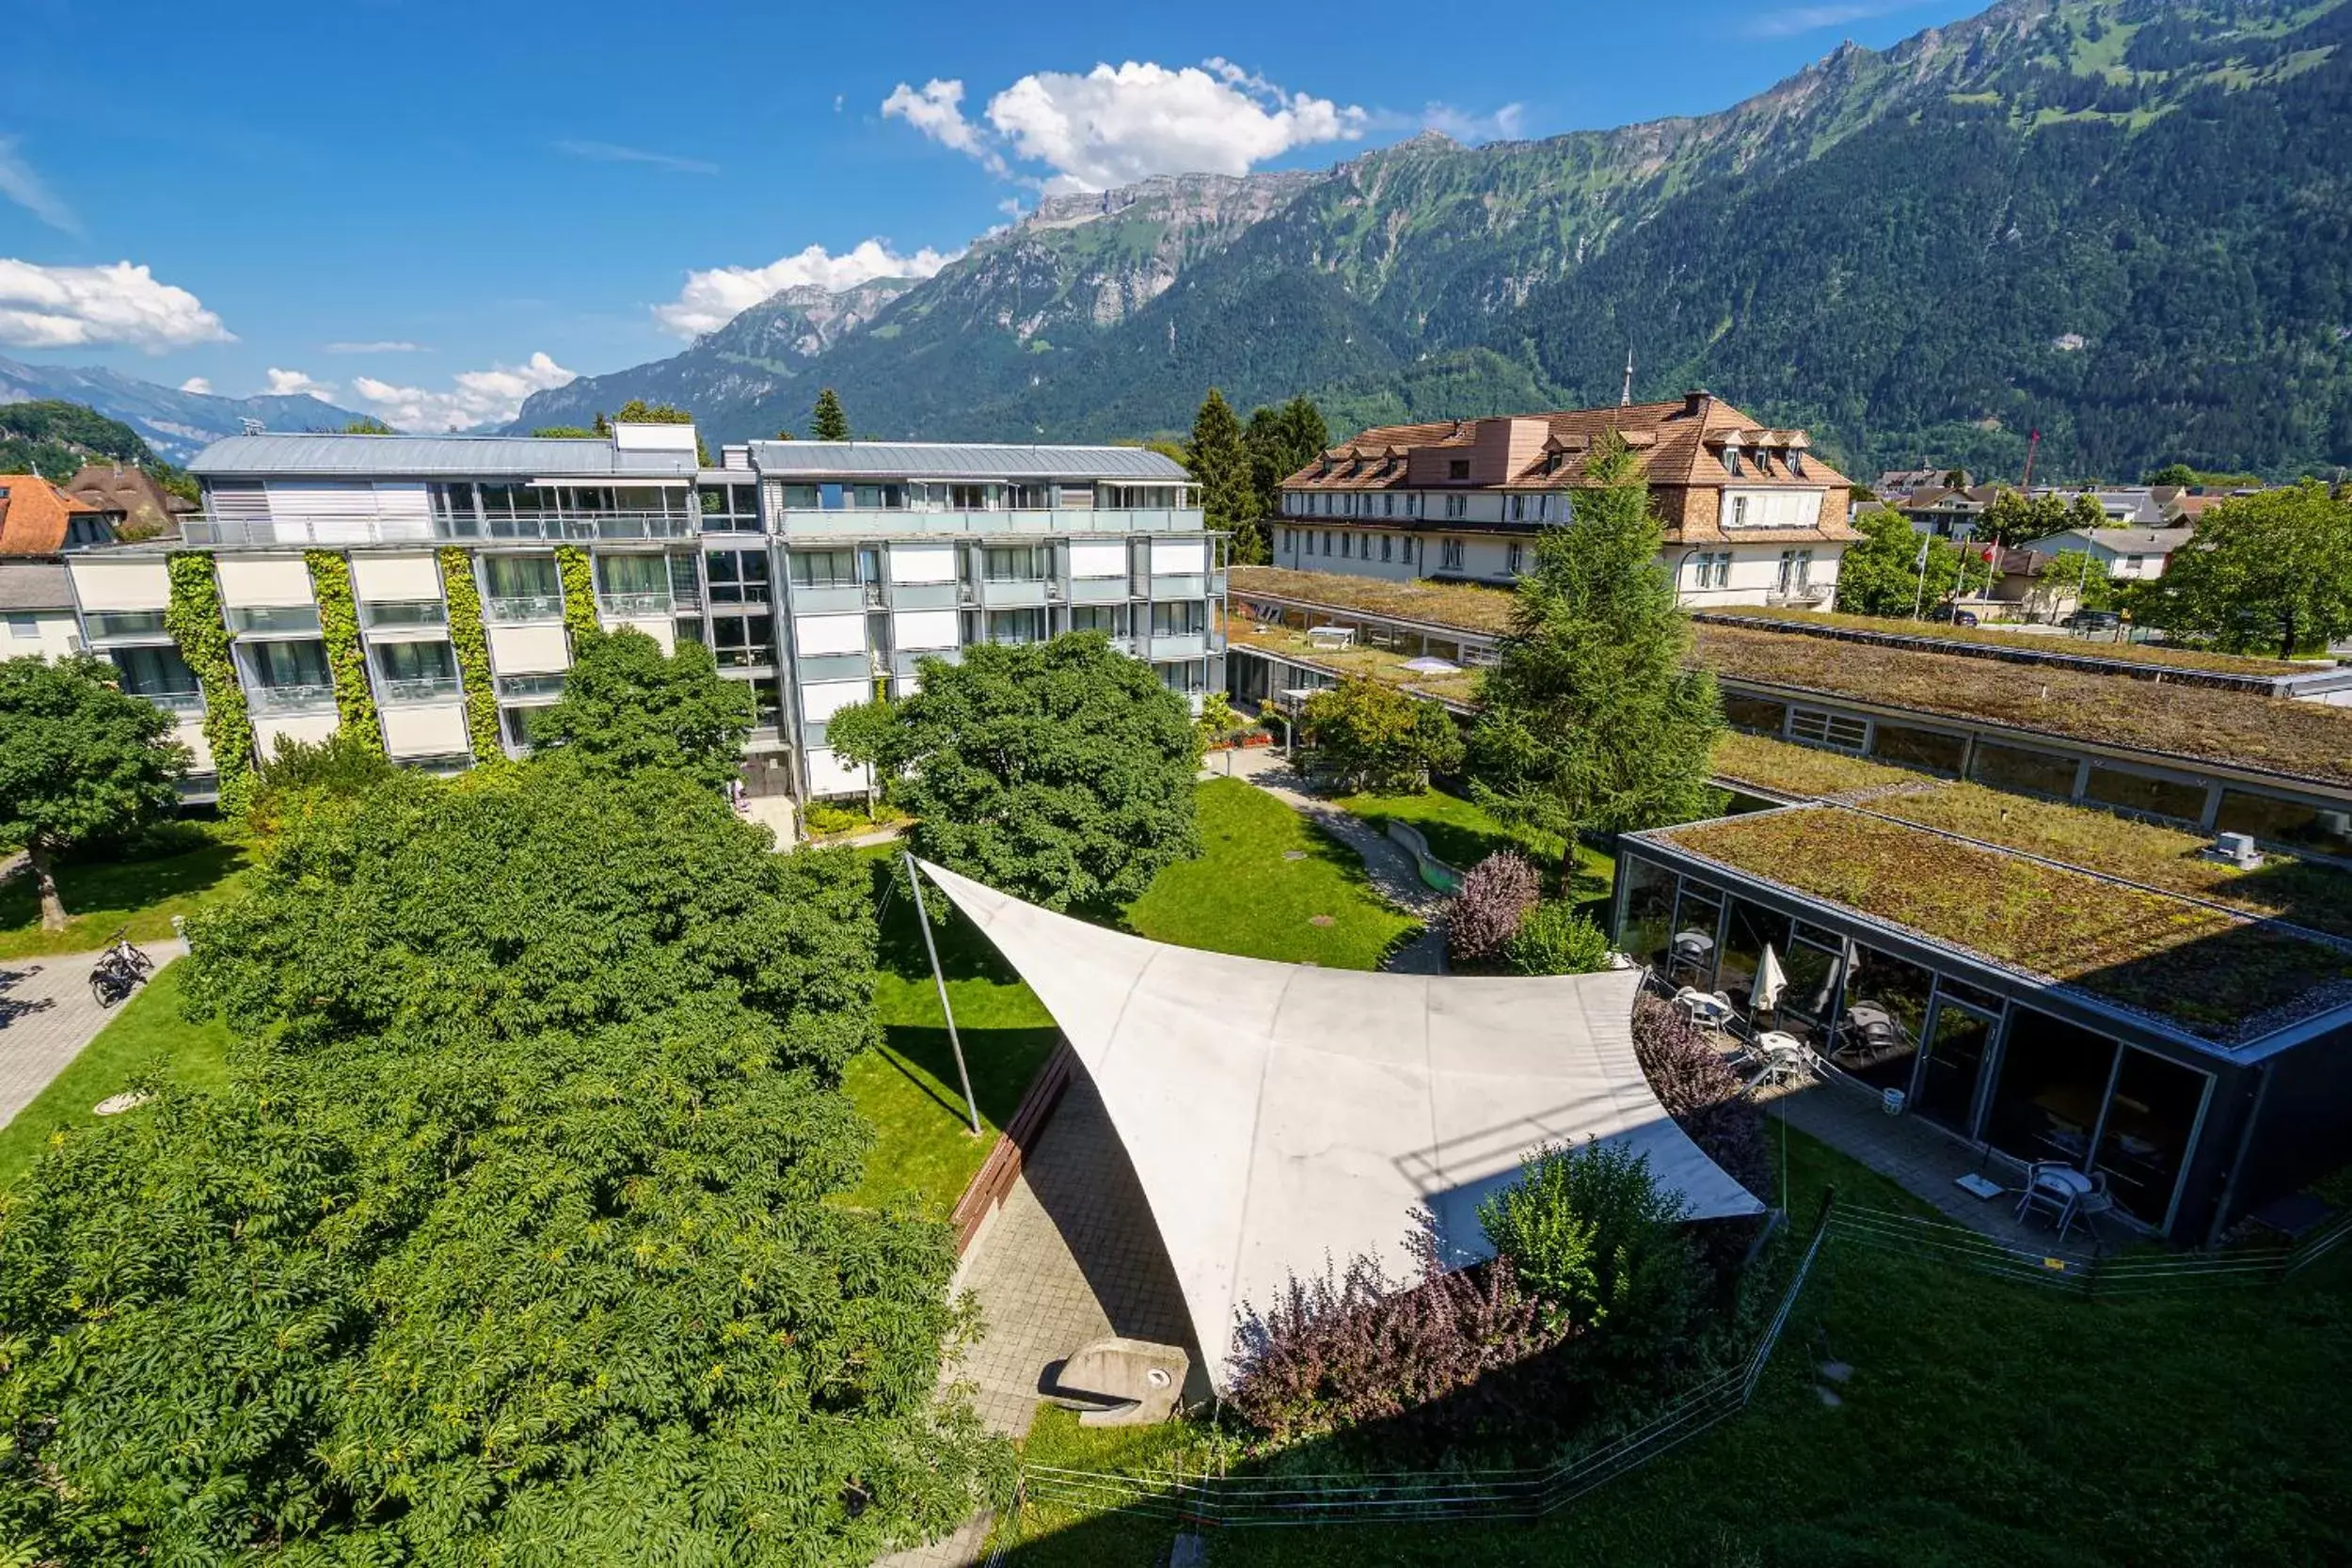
(274, 620)
(186, 704)
(292, 699)
(399, 614)
(520, 687)
(525, 607)
(627, 606)
(411, 690)
(295, 529)
(105, 624)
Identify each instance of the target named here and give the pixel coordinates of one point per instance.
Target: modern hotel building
(817, 573)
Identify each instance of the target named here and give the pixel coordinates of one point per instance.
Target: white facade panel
(392, 579)
(1770, 509)
(1179, 557)
(426, 732)
(189, 732)
(829, 775)
(101, 584)
(252, 582)
(45, 633)
(349, 513)
(827, 634)
(529, 650)
(821, 700)
(922, 564)
(922, 629)
(1098, 558)
(660, 627)
(311, 729)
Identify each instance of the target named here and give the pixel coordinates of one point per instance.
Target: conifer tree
(1221, 467)
(1591, 719)
(827, 423)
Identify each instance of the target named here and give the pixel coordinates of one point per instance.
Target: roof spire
(1625, 398)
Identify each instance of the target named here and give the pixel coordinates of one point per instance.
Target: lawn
(1985, 1422)
(176, 869)
(147, 1037)
(1244, 894)
(1461, 833)
(1263, 882)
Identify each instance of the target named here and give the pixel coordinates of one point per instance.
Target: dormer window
(1763, 464)
(1731, 461)
(1796, 463)
(1457, 469)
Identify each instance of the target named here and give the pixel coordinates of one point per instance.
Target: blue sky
(432, 207)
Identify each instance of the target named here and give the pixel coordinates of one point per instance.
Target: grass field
(148, 1037)
(176, 870)
(1984, 1422)
(1461, 833)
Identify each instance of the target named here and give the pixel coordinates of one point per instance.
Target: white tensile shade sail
(1280, 1116)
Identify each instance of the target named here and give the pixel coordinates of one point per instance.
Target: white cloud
(198, 385)
(1811, 19)
(84, 307)
(293, 384)
(613, 152)
(713, 298)
(390, 345)
(20, 185)
(1118, 125)
(1505, 124)
(474, 398)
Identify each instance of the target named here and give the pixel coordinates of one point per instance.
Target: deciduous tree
(1380, 739)
(1061, 772)
(2267, 570)
(79, 760)
(628, 707)
(1593, 717)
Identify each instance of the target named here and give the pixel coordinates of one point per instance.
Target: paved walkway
(1393, 871)
(47, 1015)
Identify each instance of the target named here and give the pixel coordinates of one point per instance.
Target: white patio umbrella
(1770, 980)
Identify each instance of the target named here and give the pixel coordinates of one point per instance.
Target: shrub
(823, 818)
(1496, 894)
(346, 763)
(1377, 737)
(1354, 1346)
(1701, 1092)
(1557, 939)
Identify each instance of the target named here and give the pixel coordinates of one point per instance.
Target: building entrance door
(1959, 1039)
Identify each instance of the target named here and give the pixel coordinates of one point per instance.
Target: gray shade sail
(1280, 1116)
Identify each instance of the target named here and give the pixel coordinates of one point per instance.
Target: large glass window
(2150, 1122)
(288, 664)
(2328, 830)
(740, 642)
(1016, 562)
(1698, 914)
(1958, 1038)
(1908, 748)
(511, 577)
(1649, 907)
(2021, 771)
(1884, 1018)
(2144, 792)
(158, 672)
(1110, 619)
(1755, 713)
(1808, 1003)
(633, 573)
(1178, 618)
(1016, 625)
(2053, 1077)
(1749, 928)
(818, 568)
(415, 671)
(740, 577)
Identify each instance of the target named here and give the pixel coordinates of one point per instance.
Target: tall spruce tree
(1591, 718)
(1220, 466)
(1281, 441)
(829, 423)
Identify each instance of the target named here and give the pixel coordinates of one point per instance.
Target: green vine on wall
(474, 652)
(346, 659)
(192, 616)
(580, 592)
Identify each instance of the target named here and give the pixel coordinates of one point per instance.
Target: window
(1184, 677)
(1731, 460)
(1387, 546)
(741, 641)
(1015, 562)
(1347, 547)
(1458, 467)
(1326, 541)
(1457, 506)
(1796, 463)
(1012, 627)
(2132, 564)
(1108, 619)
(969, 498)
(809, 568)
(1739, 511)
(1449, 556)
(1518, 509)
(158, 672)
(1841, 731)
(415, 671)
(1511, 560)
(1388, 505)
(1029, 498)
(740, 577)
(1796, 566)
(2023, 772)
(23, 626)
(1178, 618)
(1932, 749)
(1755, 713)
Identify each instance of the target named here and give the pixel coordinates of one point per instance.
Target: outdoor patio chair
(2088, 1207)
(1708, 1010)
(2050, 1184)
(1786, 1061)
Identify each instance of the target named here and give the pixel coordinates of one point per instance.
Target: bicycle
(119, 971)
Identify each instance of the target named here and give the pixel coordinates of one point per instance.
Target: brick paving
(47, 1015)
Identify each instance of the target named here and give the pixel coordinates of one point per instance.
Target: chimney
(1696, 401)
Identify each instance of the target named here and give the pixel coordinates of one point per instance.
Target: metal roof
(34, 585)
(959, 460)
(2147, 541)
(324, 456)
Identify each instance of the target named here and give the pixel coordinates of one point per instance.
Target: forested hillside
(2122, 222)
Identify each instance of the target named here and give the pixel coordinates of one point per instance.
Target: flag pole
(923, 919)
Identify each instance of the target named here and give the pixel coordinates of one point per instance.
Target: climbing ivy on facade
(346, 659)
(192, 616)
(474, 652)
(579, 590)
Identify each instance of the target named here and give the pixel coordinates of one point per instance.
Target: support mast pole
(923, 919)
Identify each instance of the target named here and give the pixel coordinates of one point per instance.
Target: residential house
(37, 606)
(131, 500)
(1749, 515)
(38, 520)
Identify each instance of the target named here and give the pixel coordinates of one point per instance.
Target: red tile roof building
(1749, 515)
(38, 520)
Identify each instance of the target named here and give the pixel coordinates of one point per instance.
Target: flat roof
(823, 460)
(2218, 972)
(333, 457)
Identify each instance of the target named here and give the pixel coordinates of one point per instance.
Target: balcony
(524, 608)
(125, 626)
(186, 704)
(760, 656)
(416, 690)
(404, 614)
(292, 699)
(575, 527)
(897, 522)
(275, 620)
(635, 607)
(524, 687)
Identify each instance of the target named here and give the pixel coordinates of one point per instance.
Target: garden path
(1393, 869)
(47, 1015)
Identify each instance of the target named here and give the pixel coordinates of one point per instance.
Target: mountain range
(176, 424)
(2122, 223)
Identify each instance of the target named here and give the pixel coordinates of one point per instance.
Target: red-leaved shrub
(1703, 1095)
(1495, 896)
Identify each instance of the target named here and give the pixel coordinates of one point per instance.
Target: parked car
(1953, 614)
(2092, 620)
